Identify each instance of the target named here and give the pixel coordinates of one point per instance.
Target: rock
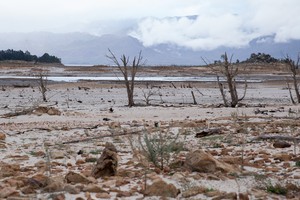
(28, 190)
(231, 195)
(107, 163)
(73, 177)
(71, 189)
(281, 144)
(244, 196)
(38, 181)
(57, 154)
(163, 189)
(58, 197)
(45, 110)
(54, 186)
(199, 161)
(8, 192)
(53, 111)
(2, 136)
(103, 196)
(193, 191)
(123, 194)
(7, 170)
(283, 157)
(93, 188)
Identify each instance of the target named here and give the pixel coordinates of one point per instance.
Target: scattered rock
(71, 189)
(58, 197)
(45, 110)
(283, 157)
(103, 196)
(199, 161)
(231, 195)
(281, 144)
(8, 192)
(73, 177)
(57, 154)
(7, 170)
(163, 189)
(94, 188)
(54, 186)
(38, 181)
(2, 136)
(107, 163)
(123, 194)
(193, 191)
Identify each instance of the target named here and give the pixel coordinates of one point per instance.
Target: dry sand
(85, 113)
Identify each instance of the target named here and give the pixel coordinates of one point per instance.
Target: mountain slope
(83, 48)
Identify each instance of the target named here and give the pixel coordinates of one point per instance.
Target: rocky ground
(85, 143)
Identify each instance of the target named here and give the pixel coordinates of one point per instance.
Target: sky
(196, 24)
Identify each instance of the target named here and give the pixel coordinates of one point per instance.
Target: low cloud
(211, 30)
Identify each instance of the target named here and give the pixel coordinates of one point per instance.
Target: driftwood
(23, 112)
(208, 132)
(277, 137)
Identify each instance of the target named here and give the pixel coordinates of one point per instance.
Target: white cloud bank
(220, 23)
(230, 23)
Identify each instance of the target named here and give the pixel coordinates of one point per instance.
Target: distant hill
(83, 48)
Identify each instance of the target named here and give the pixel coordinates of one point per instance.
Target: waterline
(145, 79)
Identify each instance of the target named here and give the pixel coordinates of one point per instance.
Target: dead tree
(43, 85)
(128, 71)
(229, 72)
(293, 67)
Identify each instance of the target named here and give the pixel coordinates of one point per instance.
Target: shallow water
(114, 78)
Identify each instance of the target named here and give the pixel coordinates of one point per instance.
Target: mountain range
(83, 48)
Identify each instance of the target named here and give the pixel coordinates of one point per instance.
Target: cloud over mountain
(223, 27)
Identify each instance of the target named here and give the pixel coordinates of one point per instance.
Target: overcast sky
(230, 23)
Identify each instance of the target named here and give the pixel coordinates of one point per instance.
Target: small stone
(73, 177)
(193, 191)
(71, 189)
(123, 194)
(283, 157)
(281, 144)
(57, 154)
(161, 188)
(58, 197)
(93, 188)
(55, 186)
(103, 196)
(7, 170)
(2, 136)
(8, 191)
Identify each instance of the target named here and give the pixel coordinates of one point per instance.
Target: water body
(158, 79)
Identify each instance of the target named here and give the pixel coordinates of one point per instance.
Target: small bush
(159, 147)
(276, 189)
(297, 164)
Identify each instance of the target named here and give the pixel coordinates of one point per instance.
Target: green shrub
(276, 189)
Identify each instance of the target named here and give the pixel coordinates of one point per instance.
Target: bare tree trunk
(43, 86)
(293, 68)
(194, 99)
(128, 72)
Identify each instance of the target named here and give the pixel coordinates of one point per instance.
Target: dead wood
(194, 98)
(18, 113)
(208, 132)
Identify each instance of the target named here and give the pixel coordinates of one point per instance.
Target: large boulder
(200, 161)
(107, 163)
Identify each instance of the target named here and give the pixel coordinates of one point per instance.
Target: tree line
(11, 54)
